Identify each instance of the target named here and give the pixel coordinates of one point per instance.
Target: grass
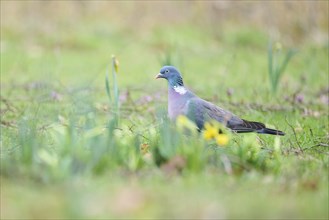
(67, 153)
(276, 66)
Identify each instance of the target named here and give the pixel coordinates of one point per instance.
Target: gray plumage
(181, 101)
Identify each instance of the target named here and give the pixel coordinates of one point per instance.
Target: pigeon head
(171, 74)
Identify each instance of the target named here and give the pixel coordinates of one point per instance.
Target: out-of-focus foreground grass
(66, 153)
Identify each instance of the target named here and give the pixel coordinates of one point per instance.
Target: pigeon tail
(271, 131)
(252, 126)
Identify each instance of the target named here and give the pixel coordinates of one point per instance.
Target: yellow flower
(215, 131)
(222, 139)
(115, 62)
(183, 122)
(210, 131)
(277, 46)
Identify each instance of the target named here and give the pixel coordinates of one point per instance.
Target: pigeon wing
(201, 111)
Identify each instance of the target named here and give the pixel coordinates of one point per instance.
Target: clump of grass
(277, 63)
(114, 102)
(76, 145)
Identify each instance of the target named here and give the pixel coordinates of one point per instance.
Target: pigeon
(181, 101)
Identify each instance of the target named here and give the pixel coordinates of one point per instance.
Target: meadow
(84, 127)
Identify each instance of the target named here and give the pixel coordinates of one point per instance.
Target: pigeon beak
(159, 76)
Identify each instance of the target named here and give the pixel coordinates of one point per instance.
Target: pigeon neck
(177, 86)
(176, 82)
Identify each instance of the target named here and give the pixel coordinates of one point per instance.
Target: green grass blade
(107, 84)
(271, 72)
(286, 60)
(270, 59)
(115, 89)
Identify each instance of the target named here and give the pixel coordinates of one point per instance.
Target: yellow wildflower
(277, 46)
(210, 131)
(115, 63)
(183, 122)
(222, 139)
(214, 131)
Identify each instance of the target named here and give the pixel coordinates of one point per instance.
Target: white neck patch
(180, 89)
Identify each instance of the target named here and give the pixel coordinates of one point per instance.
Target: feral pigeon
(181, 101)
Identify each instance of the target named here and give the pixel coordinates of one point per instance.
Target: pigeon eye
(167, 71)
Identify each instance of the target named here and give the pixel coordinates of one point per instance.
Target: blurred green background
(209, 39)
(54, 57)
